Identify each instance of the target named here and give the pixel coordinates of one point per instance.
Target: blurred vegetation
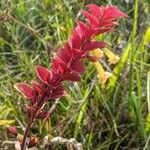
(116, 116)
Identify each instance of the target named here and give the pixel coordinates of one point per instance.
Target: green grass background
(113, 117)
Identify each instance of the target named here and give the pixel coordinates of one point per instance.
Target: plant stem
(23, 144)
(32, 117)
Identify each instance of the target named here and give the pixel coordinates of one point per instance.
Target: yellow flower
(102, 74)
(113, 59)
(98, 53)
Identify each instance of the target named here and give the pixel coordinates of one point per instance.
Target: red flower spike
(68, 63)
(26, 90)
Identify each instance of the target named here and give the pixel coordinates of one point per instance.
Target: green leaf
(2, 42)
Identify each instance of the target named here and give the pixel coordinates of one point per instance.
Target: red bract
(53, 93)
(43, 74)
(68, 62)
(37, 87)
(93, 45)
(26, 90)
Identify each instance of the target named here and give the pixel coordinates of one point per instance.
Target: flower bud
(113, 59)
(13, 131)
(32, 142)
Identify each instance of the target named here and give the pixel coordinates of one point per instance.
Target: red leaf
(91, 18)
(54, 93)
(81, 29)
(58, 94)
(73, 76)
(64, 54)
(107, 24)
(59, 66)
(37, 87)
(73, 42)
(26, 90)
(77, 66)
(76, 54)
(95, 10)
(43, 74)
(77, 34)
(111, 12)
(94, 45)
